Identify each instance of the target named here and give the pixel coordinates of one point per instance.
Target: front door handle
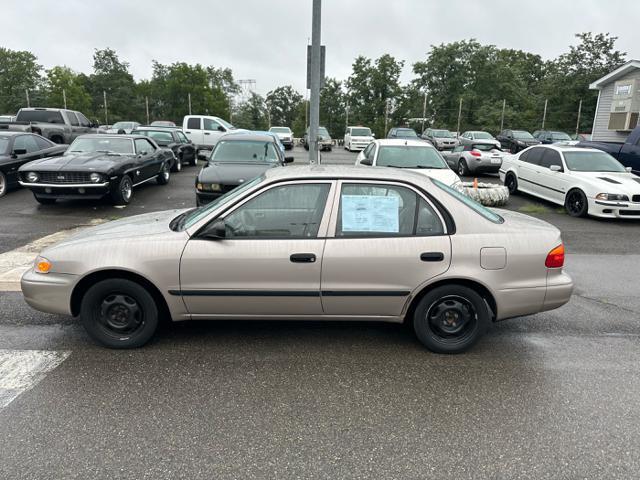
(207, 133)
(303, 258)
(432, 256)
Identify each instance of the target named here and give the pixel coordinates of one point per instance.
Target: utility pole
(26, 92)
(230, 109)
(106, 116)
(386, 116)
(459, 117)
(578, 122)
(189, 99)
(64, 98)
(504, 104)
(146, 104)
(347, 119)
(424, 111)
(314, 113)
(544, 115)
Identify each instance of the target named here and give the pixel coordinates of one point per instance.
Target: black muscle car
(97, 166)
(237, 158)
(173, 139)
(18, 148)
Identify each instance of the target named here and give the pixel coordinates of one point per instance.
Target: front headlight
(33, 177)
(612, 197)
(95, 177)
(42, 265)
(208, 187)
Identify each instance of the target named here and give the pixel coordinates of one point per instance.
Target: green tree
(59, 79)
(252, 114)
(19, 71)
(283, 103)
(333, 107)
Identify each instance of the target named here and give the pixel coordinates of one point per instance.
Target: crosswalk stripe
(20, 370)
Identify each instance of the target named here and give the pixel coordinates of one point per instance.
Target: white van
(357, 138)
(204, 130)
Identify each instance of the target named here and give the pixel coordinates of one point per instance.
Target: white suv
(357, 138)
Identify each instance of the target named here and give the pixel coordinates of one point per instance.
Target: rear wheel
(164, 175)
(123, 191)
(44, 200)
(3, 184)
(177, 166)
(511, 182)
(463, 170)
(194, 160)
(576, 203)
(119, 313)
(451, 319)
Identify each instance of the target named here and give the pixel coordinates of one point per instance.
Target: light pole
(424, 111)
(314, 113)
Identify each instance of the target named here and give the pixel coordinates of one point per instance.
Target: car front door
(76, 128)
(148, 162)
(211, 131)
(385, 240)
(554, 182)
(529, 170)
(269, 261)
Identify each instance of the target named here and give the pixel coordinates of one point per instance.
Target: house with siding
(618, 107)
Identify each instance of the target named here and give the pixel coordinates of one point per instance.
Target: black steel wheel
(511, 182)
(451, 319)
(119, 313)
(576, 203)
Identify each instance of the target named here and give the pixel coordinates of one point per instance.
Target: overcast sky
(266, 40)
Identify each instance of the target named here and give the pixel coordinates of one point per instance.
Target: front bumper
(202, 198)
(70, 191)
(50, 292)
(607, 209)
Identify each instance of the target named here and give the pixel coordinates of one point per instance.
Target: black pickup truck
(627, 153)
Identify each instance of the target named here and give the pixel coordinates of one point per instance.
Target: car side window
(209, 124)
(286, 211)
(534, 156)
(73, 120)
(459, 148)
(193, 123)
(367, 150)
(376, 210)
(550, 157)
(84, 121)
(428, 221)
(43, 142)
(26, 142)
(183, 138)
(143, 146)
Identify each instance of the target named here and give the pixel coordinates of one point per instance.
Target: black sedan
(237, 158)
(96, 166)
(516, 140)
(18, 148)
(173, 139)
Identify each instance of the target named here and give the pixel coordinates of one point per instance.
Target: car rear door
(268, 263)
(193, 129)
(385, 241)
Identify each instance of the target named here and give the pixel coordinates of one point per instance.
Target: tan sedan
(327, 243)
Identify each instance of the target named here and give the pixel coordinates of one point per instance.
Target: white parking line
(20, 370)
(14, 263)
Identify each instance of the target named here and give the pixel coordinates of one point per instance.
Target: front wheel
(576, 203)
(3, 184)
(164, 175)
(451, 319)
(511, 183)
(123, 192)
(119, 313)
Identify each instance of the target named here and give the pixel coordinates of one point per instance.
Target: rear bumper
(559, 290)
(50, 293)
(484, 166)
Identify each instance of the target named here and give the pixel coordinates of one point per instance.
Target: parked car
(585, 180)
(285, 134)
(471, 136)
(123, 127)
(205, 131)
(275, 136)
(401, 132)
(7, 118)
(441, 139)
(96, 166)
(549, 137)
(627, 153)
(311, 242)
(56, 124)
(357, 138)
(413, 155)
(175, 140)
(16, 149)
(325, 142)
(236, 159)
(481, 156)
(516, 140)
(162, 123)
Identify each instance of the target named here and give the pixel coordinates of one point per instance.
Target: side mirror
(628, 169)
(216, 230)
(366, 161)
(221, 128)
(19, 151)
(288, 159)
(555, 168)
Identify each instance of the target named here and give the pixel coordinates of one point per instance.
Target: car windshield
(592, 162)
(162, 137)
(483, 136)
(280, 129)
(402, 156)
(124, 125)
(560, 136)
(244, 151)
(102, 144)
(4, 145)
(484, 147)
(469, 202)
(190, 218)
(361, 132)
(323, 131)
(522, 135)
(406, 133)
(442, 134)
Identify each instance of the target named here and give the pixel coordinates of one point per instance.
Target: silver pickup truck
(56, 124)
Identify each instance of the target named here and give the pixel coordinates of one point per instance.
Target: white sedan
(416, 155)
(585, 180)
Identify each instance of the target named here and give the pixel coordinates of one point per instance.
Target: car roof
(112, 135)
(409, 142)
(298, 172)
(12, 133)
(251, 136)
(156, 128)
(566, 148)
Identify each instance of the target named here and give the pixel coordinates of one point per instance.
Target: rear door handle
(432, 256)
(303, 258)
(207, 133)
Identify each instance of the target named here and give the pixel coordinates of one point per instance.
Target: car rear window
(46, 116)
(241, 151)
(158, 135)
(360, 132)
(402, 156)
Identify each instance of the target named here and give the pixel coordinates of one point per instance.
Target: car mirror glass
(288, 159)
(215, 230)
(555, 168)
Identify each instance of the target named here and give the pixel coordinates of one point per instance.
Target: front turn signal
(42, 265)
(555, 258)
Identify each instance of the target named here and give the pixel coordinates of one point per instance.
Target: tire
(329, 149)
(44, 200)
(576, 204)
(57, 139)
(306, 146)
(3, 184)
(194, 160)
(511, 182)
(177, 166)
(119, 313)
(164, 176)
(463, 169)
(123, 192)
(435, 317)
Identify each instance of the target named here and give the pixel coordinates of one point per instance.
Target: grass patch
(532, 208)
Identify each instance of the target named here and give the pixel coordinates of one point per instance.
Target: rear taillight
(475, 153)
(555, 258)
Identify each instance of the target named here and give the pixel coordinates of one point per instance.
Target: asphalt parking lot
(552, 395)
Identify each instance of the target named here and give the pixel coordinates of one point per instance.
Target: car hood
(284, 135)
(612, 182)
(445, 175)
(233, 173)
(74, 161)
